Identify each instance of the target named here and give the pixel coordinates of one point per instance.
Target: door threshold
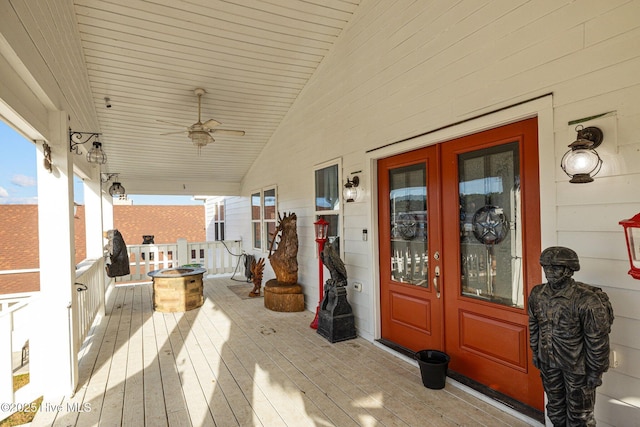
(501, 401)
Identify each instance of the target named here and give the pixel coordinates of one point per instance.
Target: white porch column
(93, 218)
(54, 356)
(107, 212)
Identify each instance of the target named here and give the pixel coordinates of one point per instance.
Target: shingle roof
(166, 223)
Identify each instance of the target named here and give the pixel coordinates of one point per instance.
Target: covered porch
(233, 362)
(313, 85)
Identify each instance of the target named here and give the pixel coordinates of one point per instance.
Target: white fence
(218, 257)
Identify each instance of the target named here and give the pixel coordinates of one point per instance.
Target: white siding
(408, 68)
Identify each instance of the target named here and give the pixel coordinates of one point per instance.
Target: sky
(18, 177)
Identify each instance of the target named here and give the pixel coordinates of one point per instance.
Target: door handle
(435, 281)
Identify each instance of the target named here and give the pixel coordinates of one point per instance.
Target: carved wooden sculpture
(257, 269)
(284, 260)
(284, 293)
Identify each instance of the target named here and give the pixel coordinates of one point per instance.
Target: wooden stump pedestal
(283, 297)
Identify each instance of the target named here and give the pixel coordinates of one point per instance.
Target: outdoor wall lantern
(582, 162)
(350, 191)
(117, 189)
(321, 228)
(632, 234)
(96, 154)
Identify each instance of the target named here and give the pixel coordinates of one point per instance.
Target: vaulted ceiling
(252, 57)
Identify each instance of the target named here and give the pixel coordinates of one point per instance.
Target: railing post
(6, 363)
(183, 249)
(102, 287)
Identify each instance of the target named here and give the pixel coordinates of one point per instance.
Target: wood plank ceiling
(253, 57)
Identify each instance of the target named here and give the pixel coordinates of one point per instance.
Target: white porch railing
(146, 258)
(13, 333)
(218, 257)
(9, 300)
(91, 289)
(90, 295)
(16, 323)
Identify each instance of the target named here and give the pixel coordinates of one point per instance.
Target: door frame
(542, 108)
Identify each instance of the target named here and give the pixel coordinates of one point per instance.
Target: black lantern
(582, 162)
(350, 191)
(96, 155)
(117, 189)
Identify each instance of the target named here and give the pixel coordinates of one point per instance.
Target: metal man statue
(569, 325)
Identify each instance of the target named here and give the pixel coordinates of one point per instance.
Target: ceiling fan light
(200, 138)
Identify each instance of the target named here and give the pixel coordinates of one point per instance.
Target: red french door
(411, 289)
(459, 245)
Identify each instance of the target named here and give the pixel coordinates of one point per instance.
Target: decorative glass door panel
(491, 236)
(408, 215)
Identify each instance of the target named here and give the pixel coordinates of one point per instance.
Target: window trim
(219, 207)
(339, 212)
(262, 221)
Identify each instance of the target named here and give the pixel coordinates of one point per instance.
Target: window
(217, 221)
(327, 197)
(270, 215)
(264, 217)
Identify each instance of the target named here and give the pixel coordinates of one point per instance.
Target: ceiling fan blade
(171, 123)
(228, 132)
(211, 123)
(174, 133)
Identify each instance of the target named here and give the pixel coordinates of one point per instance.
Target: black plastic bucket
(433, 368)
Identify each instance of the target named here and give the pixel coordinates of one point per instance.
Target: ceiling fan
(201, 133)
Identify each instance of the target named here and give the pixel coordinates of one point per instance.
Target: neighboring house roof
(19, 235)
(166, 223)
(19, 246)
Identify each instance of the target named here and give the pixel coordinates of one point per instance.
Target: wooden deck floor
(232, 362)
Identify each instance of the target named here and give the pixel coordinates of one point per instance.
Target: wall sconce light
(350, 191)
(582, 162)
(632, 234)
(96, 154)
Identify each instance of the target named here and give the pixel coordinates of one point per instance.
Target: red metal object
(632, 234)
(321, 228)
